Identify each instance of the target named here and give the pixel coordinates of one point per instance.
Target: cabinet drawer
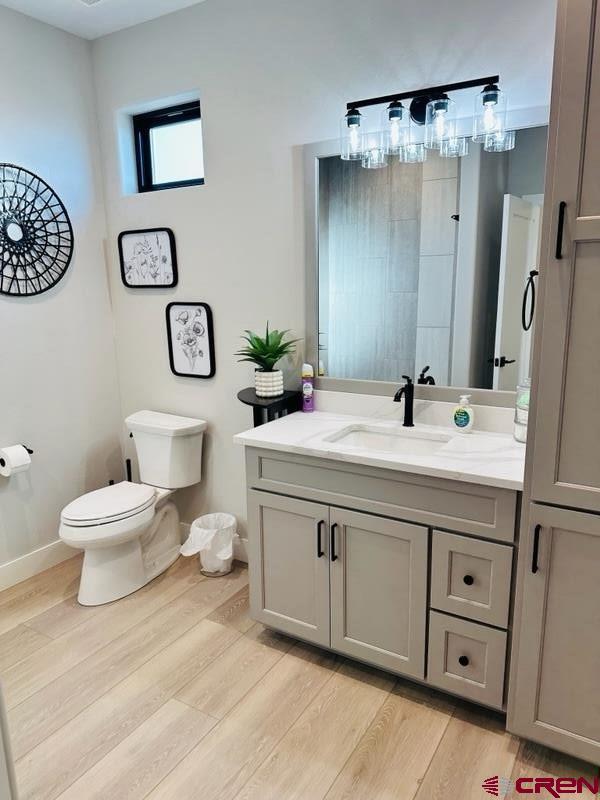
(467, 659)
(471, 578)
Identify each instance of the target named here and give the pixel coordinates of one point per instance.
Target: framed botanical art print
(148, 258)
(191, 343)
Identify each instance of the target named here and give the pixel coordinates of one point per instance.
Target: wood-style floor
(174, 693)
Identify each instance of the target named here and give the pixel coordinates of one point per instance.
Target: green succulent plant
(266, 352)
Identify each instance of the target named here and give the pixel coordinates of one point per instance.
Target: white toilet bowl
(129, 532)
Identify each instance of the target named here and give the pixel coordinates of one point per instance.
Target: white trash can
(212, 536)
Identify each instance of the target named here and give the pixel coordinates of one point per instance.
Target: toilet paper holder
(29, 450)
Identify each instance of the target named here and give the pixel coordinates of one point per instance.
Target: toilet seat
(110, 504)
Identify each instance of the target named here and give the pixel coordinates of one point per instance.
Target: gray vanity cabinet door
(288, 557)
(566, 456)
(379, 590)
(555, 695)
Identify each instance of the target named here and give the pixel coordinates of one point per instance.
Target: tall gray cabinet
(555, 677)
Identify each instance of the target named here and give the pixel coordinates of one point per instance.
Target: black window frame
(142, 126)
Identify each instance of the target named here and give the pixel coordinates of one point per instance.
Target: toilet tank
(169, 448)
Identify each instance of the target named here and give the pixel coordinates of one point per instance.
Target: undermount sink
(389, 439)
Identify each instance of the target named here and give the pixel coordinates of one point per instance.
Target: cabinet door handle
(464, 661)
(536, 549)
(334, 556)
(562, 207)
(469, 580)
(320, 551)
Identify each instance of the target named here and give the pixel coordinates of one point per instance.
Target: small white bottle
(463, 416)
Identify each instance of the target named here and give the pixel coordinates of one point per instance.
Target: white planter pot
(269, 384)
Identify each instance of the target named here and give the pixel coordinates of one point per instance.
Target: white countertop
(482, 457)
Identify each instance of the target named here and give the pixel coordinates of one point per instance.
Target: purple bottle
(308, 395)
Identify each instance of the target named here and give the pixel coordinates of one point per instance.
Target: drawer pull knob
(469, 580)
(464, 661)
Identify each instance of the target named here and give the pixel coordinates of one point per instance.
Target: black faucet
(408, 391)
(423, 379)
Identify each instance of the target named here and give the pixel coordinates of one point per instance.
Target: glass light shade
(499, 142)
(373, 150)
(394, 127)
(350, 136)
(489, 115)
(414, 151)
(454, 146)
(440, 115)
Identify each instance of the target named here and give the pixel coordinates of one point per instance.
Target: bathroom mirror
(425, 265)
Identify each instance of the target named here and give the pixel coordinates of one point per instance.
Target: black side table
(266, 409)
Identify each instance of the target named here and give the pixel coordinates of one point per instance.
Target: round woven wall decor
(36, 236)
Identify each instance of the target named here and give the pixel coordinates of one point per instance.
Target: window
(168, 147)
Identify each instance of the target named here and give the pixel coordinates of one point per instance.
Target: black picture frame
(185, 327)
(144, 233)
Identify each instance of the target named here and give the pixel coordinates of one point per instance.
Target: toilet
(129, 532)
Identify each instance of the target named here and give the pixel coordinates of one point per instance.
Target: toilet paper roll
(14, 459)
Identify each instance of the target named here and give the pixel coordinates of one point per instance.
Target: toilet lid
(111, 503)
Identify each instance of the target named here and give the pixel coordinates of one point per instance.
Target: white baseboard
(30, 564)
(240, 546)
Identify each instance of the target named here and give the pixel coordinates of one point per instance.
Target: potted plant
(265, 353)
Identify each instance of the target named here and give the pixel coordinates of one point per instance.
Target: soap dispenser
(463, 414)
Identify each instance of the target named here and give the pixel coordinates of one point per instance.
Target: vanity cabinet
(566, 458)
(555, 664)
(557, 697)
(379, 590)
(313, 567)
(409, 573)
(289, 565)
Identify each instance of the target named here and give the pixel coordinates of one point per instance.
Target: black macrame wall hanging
(36, 236)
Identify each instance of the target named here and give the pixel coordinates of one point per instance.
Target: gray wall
(527, 162)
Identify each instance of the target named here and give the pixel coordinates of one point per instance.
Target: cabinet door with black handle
(566, 457)
(555, 674)
(288, 550)
(379, 590)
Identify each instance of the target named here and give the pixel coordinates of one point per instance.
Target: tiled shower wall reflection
(386, 268)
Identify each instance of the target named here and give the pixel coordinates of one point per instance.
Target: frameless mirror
(425, 265)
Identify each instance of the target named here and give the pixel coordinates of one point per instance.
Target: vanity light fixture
(432, 109)
(490, 112)
(350, 136)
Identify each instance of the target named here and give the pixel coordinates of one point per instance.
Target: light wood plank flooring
(174, 693)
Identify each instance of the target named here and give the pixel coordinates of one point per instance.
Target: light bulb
(394, 133)
(489, 115)
(440, 123)
(439, 116)
(394, 127)
(350, 136)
